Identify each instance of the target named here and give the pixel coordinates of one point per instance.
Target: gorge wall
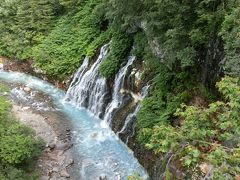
(115, 100)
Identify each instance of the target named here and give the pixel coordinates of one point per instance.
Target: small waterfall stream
(131, 118)
(117, 97)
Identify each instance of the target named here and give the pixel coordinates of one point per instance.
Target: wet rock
(4, 93)
(44, 178)
(54, 177)
(64, 146)
(55, 169)
(64, 173)
(69, 162)
(27, 89)
(25, 108)
(233, 142)
(103, 177)
(51, 146)
(118, 177)
(68, 133)
(47, 150)
(205, 168)
(38, 71)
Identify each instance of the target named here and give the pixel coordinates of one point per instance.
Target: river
(98, 151)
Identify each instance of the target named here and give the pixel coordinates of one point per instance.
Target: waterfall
(117, 97)
(88, 88)
(130, 119)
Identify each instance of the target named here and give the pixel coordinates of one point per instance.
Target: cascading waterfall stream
(88, 88)
(129, 119)
(117, 97)
(132, 116)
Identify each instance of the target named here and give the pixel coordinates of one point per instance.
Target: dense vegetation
(187, 46)
(18, 146)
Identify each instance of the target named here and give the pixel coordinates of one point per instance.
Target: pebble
(64, 173)
(70, 162)
(55, 169)
(51, 146)
(25, 108)
(44, 178)
(27, 89)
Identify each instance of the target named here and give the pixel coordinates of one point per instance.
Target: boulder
(103, 177)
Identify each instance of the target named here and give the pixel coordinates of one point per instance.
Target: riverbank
(27, 67)
(139, 151)
(56, 159)
(97, 150)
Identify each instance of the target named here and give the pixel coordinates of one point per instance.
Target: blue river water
(99, 150)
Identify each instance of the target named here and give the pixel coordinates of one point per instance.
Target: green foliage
(135, 176)
(119, 49)
(169, 91)
(206, 135)
(182, 30)
(179, 27)
(18, 146)
(3, 88)
(8, 172)
(23, 23)
(75, 35)
(231, 36)
(140, 45)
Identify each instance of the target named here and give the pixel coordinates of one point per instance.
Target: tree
(25, 22)
(231, 35)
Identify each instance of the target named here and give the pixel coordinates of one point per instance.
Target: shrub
(18, 146)
(206, 135)
(119, 49)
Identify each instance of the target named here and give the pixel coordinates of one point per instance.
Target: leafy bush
(77, 34)
(135, 176)
(169, 91)
(230, 33)
(21, 30)
(18, 146)
(206, 135)
(119, 49)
